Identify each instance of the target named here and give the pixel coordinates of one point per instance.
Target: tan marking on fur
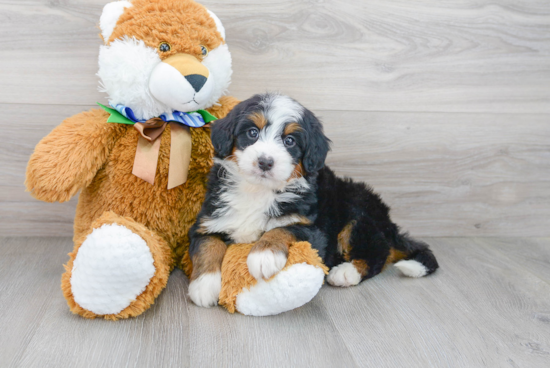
(292, 128)
(361, 266)
(209, 257)
(202, 229)
(233, 156)
(258, 119)
(298, 171)
(303, 221)
(277, 240)
(344, 238)
(394, 256)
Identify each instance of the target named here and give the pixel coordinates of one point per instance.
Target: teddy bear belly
(170, 213)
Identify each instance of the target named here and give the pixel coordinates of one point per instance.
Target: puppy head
(272, 138)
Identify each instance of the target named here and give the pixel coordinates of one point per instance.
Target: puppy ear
(317, 145)
(223, 132)
(222, 136)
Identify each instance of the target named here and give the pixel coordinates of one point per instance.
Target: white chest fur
(248, 210)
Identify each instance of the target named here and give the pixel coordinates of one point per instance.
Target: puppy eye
(204, 50)
(253, 133)
(289, 141)
(164, 47)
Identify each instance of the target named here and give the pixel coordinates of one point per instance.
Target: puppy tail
(419, 260)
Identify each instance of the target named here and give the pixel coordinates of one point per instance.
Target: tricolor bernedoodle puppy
(269, 185)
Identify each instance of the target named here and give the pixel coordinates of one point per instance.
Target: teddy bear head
(162, 56)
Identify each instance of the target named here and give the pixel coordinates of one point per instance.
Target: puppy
(269, 185)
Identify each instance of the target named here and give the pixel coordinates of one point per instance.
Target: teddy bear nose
(197, 81)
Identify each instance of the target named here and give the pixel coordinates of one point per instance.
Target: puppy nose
(265, 163)
(196, 81)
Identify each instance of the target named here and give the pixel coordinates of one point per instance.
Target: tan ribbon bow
(147, 152)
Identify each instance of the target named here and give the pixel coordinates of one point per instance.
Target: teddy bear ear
(218, 22)
(109, 17)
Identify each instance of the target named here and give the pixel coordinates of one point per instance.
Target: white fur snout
(205, 290)
(344, 275)
(265, 264)
(282, 163)
(171, 88)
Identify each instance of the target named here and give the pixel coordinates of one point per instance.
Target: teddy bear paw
(265, 263)
(112, 267)
(205, 290)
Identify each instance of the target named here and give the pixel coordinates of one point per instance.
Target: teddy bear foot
(117, 271)
(289, 289)
(113, 266)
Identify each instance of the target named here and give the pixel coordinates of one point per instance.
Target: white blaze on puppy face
(279, 111)
(133, 74)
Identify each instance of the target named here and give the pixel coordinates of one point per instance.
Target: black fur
(330, 204)
(318, 144)
(223, 137)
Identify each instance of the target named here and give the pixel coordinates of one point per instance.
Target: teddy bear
(141, 165)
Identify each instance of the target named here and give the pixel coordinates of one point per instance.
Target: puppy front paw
(265, 263)
(205, 290)
(344, 275)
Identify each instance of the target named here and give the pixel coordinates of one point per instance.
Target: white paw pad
(344, 274)
(205, 290)
(112, 267)
(411, 268)
(265, 264)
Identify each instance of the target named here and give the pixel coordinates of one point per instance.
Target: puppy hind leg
(365, 250)
(415, 257)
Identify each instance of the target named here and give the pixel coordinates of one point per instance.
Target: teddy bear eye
(165, 47)
(204, 50)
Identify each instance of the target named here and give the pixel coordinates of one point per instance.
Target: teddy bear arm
(68, 158)
(295, 285)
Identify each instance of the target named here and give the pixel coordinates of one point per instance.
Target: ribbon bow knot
(147, 151)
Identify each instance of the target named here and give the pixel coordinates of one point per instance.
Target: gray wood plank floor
(488, 306)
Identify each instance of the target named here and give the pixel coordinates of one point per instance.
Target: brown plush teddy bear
(160, 59)
(141, 165)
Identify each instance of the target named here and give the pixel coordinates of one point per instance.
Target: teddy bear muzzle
(182, 82)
